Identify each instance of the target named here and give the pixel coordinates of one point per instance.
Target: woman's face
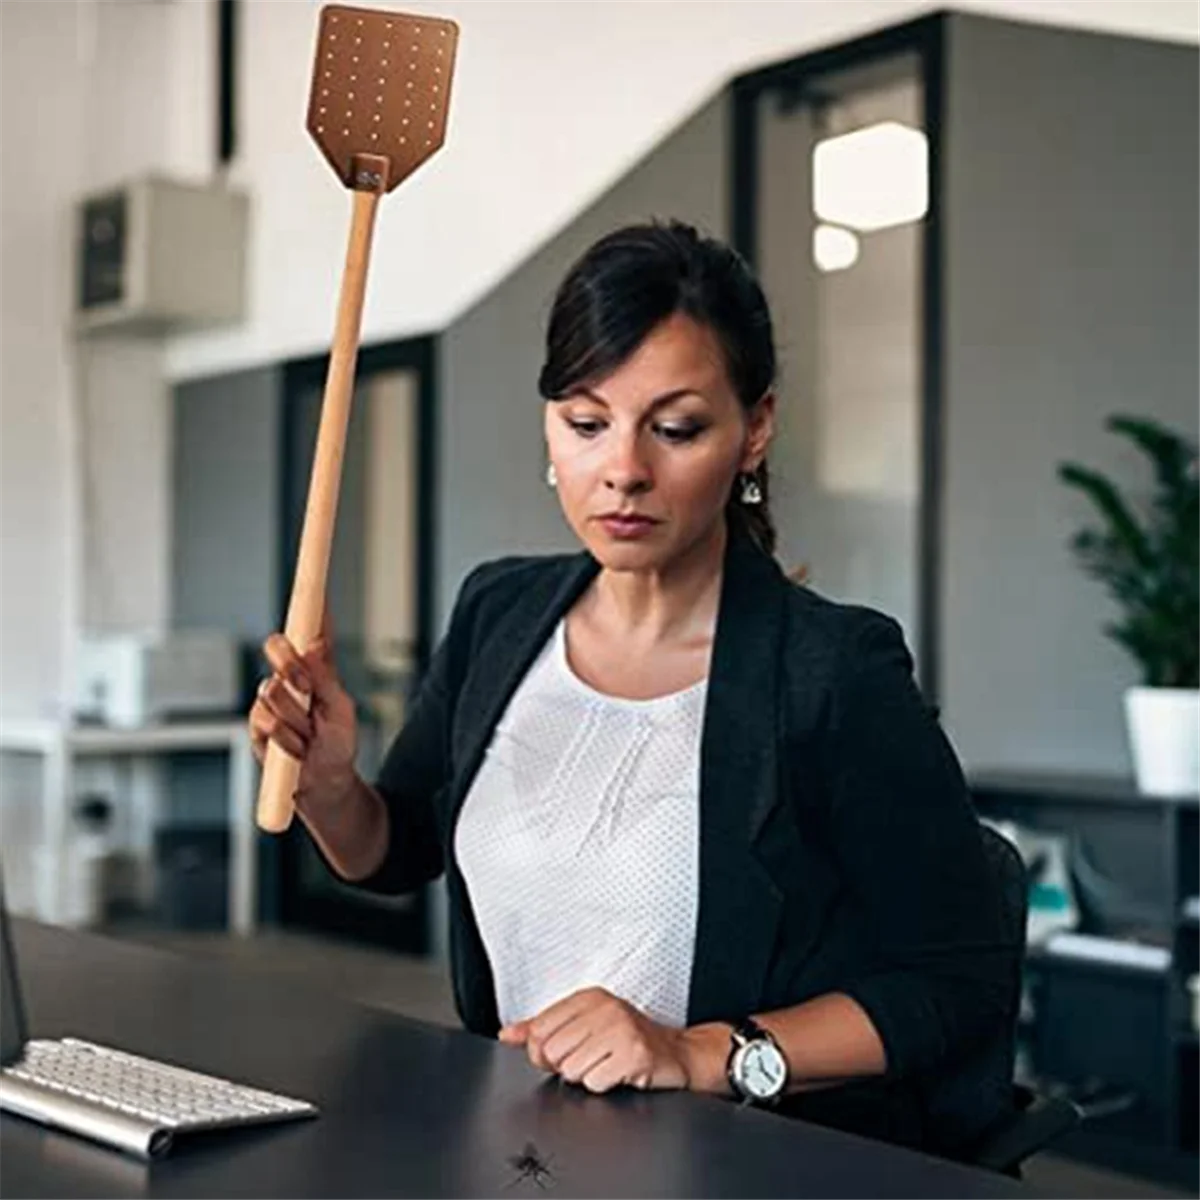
(661, 438)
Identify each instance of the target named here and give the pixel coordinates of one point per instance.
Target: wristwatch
(757, 1069)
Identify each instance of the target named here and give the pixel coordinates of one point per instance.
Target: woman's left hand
(594, 1038)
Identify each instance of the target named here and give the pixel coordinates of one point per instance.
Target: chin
(629, 556)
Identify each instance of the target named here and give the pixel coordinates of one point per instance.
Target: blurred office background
(977, 227)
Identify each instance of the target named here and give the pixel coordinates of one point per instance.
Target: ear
(759, 432)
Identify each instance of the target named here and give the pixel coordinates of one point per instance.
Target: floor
(419, 989)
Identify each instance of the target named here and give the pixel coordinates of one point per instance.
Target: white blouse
(579, 842)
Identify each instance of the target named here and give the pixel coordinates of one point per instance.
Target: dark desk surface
(407, 1109)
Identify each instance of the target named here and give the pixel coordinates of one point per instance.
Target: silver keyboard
(133, 1103)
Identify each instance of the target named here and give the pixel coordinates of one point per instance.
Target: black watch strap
(750, 1030)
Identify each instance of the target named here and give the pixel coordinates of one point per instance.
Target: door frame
(341, 915)
(925, 40)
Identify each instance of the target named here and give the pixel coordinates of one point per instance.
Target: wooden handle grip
(281, 772)
(280, 777)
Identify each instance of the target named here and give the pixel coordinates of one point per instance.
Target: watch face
(761, 1070)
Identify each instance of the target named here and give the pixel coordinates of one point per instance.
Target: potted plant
(1150, 564)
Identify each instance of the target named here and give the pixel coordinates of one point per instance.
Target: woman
(698, 827)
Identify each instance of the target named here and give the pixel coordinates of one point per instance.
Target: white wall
(33, 359)
(83, 435)
(552, 103)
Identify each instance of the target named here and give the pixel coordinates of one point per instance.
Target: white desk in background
(61, 745)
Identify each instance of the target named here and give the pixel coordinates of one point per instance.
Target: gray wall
(493, 499)
(224, 538)
(226, 519)
(1070, 294)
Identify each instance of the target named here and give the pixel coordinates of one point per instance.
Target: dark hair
(631, 281)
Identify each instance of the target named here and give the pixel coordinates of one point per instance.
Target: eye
(585, 428)
(679, 433)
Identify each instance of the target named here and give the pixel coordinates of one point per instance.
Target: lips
(628, 525)
(629, 518)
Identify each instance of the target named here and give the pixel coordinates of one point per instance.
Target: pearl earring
(551, 475)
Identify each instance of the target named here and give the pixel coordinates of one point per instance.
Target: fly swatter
(377, 109)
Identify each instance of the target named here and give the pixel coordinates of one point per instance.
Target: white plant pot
(1164, 739)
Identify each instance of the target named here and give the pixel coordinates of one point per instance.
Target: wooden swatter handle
(281, 772)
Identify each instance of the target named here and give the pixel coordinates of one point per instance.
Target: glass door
(840, 194)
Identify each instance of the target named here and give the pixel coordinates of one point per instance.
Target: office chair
(1035, 1120)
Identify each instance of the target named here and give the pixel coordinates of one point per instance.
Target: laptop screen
(12, 1015)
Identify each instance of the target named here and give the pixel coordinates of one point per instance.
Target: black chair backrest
(982, 1082)
(1036, 1120)
(1009, 872)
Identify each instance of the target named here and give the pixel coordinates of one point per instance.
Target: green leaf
(1169, 453)
(1108, 500)
(1150, 565)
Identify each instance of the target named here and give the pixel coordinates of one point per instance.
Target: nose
(627, 470)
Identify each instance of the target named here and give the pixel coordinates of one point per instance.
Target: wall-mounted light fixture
(834, 249)
(872, 178)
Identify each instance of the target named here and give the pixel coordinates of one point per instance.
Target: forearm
(826, 1041)
(350, 825)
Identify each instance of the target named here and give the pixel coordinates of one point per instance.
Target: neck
(675, 602)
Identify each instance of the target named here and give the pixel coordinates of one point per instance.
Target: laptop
(137, 1105)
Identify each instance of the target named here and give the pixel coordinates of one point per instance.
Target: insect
(530, 1165)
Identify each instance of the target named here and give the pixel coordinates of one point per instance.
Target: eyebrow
(657, 403)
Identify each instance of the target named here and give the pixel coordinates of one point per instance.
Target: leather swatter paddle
(377, 109)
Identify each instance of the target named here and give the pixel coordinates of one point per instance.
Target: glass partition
(841, 190)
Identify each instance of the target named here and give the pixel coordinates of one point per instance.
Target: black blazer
(838, 847)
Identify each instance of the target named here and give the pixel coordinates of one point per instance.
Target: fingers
(278, 716)
(313, 672)
(514, 1034)
(320, 668)
(604, 1076)
(281, 711)
(546, 1052)
(267, 729)
(556, 1015)
(258, 745)
(284, 660)
(584, 1059)
(595, 1039)
(283, 703)
(533, 1048)
(564, 1042)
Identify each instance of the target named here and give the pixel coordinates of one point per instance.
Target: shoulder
(838, 640)
(845, 666)
(499, 581)
(514, 572)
